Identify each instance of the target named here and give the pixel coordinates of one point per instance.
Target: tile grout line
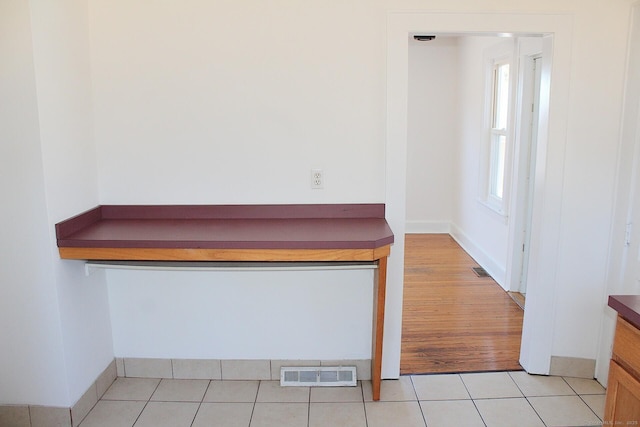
(201, 400)
(472, 400)
(580, 396)
(196, 414)
(589, 406)
(309, 407)
(147, 403)
(364, 404)
(415, 393)
(534, 410)
(92, 407)
(255, 399)
(527, 398)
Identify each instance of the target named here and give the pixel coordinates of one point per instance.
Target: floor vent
(480, 272)
(318, 376)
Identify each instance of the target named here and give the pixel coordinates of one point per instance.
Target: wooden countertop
(221, 227)
(627, 306)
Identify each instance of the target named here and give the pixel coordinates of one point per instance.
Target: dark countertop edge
(179, 244)
(229, 244)
(627, 306)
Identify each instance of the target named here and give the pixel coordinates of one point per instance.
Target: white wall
(218, 102)
(479, 229)
(32, 366)
(56, 329)
(297, 315)
(587, 196)
(625, 248)
(432, 140)
(63, 81)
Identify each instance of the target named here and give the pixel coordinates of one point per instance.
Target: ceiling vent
(318, 376)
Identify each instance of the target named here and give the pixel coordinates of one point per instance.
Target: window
(494, 180)
(499, 120)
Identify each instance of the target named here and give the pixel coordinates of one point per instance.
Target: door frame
(538, 324)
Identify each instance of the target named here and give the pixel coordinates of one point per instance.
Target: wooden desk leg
(379, 289)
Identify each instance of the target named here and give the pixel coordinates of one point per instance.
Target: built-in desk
(244, 233)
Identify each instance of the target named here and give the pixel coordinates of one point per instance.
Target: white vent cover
(318, 376)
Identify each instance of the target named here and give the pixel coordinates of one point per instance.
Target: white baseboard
(572, 367)
(495, 270)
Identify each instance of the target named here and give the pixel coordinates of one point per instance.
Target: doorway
(446, 152)
(535, 354)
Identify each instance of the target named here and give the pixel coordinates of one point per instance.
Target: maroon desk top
(627, 306)
(359, 226)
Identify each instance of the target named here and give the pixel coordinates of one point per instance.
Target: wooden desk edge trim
(161, 254)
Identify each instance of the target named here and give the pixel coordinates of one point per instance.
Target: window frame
(498, 141)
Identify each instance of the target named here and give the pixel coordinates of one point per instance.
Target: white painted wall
(432, 139)
(207, 102)
(624, 247)
(479, 229)
(32, 368)
(63, 81)
(588, 196)
(312, 315)
(56, 329)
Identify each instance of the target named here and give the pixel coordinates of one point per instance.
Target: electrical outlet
(317, 179)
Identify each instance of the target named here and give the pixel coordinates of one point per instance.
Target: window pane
(498, 151)
(501, 96)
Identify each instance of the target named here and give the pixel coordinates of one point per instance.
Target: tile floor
(483, 399)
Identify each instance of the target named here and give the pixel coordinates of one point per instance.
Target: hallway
(453, 320)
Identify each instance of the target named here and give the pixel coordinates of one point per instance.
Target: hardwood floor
(454, 321)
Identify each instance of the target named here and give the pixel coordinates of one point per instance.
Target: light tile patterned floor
(484, 400)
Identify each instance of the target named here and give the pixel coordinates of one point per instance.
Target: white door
(536, 63)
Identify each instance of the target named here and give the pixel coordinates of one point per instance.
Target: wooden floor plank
(453, 320)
